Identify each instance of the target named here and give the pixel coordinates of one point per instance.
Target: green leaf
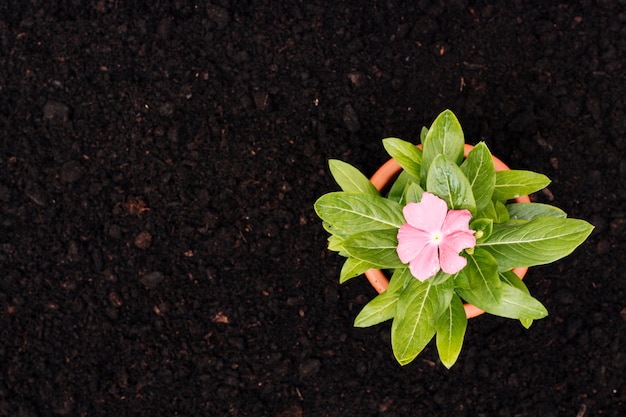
(400, 279)
(488, 212)
(349, 178)
(396, 192)
(414, 322)
(502, 214)
(443, 289)
(516, 304)
(423, 134)
(451, 327)
(333, 230)
(335, 243)
(405, 190)
(406, 154)
(461, 281)
(447, 181)
(510, 278)
(379, 309)
(481, 174)
(531, 211)
(537, 242)
(516, 183)
(376, 247)
(482, 228)
(412, 193)
(445, 136)
(478, 283)
(526, 322)
(352, 268)
(360, 212)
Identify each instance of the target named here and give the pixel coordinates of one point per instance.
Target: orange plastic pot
(382, 178)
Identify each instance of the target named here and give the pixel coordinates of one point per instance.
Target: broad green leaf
(379, 309)
(414, 323)
(537, 242)
(526, 322)
(359, 212)
(461, 281)
(502, 214)
(443, 289)
(488, 212)
(352, 268)
(447, 181)
(516, 183)
(451, 327)
(481, 174)
(478, 283)
(439, 278)
(516, 304)
(376, 247)
(383, 307)
(396, 192)
(406, 154)
(335, 243)
(336, 238)
(445, 136)
(510, 278)
(482, 228)
(333, 230)
(412, 193)
(349, 178)
(531, 211)
(400, 279)
(423, 134)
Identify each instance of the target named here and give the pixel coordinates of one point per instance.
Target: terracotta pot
(382, 178)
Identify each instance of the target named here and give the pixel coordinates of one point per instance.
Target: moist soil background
(159, 251)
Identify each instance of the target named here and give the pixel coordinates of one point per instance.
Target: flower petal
(456, 237)
(456, 220)
(457, 241)
(451, 262)
(426, 263)
(428, 215)
(411, 241)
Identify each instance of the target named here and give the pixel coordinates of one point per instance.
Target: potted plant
(454, 226)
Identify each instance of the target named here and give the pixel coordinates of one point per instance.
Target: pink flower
(433, 237)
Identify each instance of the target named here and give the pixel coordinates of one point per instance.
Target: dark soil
(159, 252)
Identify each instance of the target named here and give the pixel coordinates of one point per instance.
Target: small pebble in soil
(152, 279)
(351, 119)
(115, 299)
(143, 240)
(309, 368)
(71, 172)
(618, 226)
(218, 15)
(603, 247)
(565, 296)
(53, 110)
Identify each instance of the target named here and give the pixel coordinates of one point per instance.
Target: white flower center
(435, 238)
